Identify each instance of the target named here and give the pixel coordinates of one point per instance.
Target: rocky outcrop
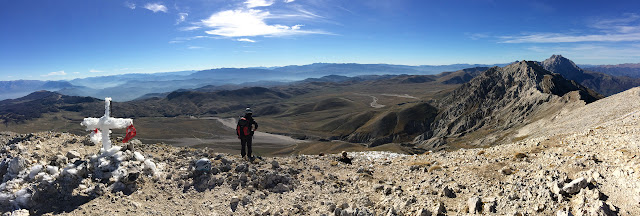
(500, 99)
(600, 82)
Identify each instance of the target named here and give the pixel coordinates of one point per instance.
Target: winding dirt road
(260, 137)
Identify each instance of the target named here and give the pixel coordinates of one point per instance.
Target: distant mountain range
(135, 86)
(371, 104)
(629, 69)
(19, 88)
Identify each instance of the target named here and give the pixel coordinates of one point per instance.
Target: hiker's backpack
(243, 127)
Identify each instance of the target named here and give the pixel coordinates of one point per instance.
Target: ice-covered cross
(105, 123)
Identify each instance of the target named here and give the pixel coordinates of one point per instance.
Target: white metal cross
(105, 123)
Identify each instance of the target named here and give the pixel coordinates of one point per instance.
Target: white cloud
(288, 1)
(181, 17)
(76, 72)
(95, 71)
(245, 23)
(57, 73)
(624, 29)
(156, 7)
(195, 47)
(190, 28)
(258, 3)
(623, 24)
(130, 5)
(245, 40)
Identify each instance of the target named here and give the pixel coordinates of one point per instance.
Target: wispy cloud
(95, 71)
(181, 17)
(195, 47)
(56, 73)
(189, 28)
(130, 5)
(246, 40)
(183, 39)
(622, 29)
(251, 22)
(156, 7)
(563, 38)
(627, 24)
(477, 36)
(288, 1)
(258, 3)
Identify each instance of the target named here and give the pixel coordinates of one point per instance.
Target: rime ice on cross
(105, 123)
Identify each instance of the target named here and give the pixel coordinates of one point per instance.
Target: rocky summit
(501, 99)
(583, 169)
(600, 82)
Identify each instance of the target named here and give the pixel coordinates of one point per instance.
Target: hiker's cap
(248, 111)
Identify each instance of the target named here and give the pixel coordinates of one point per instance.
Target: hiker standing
(245, 130)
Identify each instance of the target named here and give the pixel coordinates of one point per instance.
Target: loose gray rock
(475, 205)
(574, 186)
(73, 154)
(490, 206)
(423, 212)
(447, 192)
(203, 165)
(506, 171)
(234, 203)
(440, 210)
(16, 165)
(242, 167)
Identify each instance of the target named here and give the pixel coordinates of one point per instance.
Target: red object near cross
(131, 132)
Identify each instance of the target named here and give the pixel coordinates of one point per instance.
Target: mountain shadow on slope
(461, 76)
(499, 99)
(41, 102)
(376, 128)
(186, 102)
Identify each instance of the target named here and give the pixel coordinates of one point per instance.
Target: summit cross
(105, 124)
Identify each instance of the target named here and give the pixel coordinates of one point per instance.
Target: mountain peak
(563, 66)
(559, 60)
(554, 56)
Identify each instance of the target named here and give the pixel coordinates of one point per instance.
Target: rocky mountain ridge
(499, 99)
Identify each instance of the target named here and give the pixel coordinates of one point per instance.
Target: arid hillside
(576, 165)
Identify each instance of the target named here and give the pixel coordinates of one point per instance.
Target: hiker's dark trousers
(246, 141)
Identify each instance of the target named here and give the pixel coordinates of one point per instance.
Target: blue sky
(52, 40)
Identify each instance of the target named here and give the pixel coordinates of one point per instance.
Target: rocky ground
(592, 170)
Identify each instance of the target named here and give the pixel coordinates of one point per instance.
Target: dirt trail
(375, 103)
(260, 137)
(402, 96)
